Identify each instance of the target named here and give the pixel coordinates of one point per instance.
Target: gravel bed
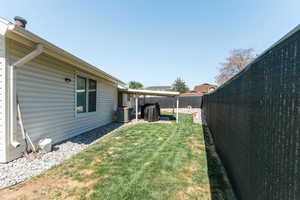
(34, 164)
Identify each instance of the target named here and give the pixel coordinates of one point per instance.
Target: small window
(81, 94)
(92, 95)
(86, 91)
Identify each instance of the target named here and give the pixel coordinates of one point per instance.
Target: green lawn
(143, 161)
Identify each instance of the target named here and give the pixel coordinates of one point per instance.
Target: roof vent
(20, 21)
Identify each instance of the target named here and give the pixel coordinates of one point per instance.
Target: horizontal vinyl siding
(2, 101)
(48, 102)
(107, 100)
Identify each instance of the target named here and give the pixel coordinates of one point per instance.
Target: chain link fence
(255, 122)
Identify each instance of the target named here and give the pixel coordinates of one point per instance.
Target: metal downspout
(13, 94)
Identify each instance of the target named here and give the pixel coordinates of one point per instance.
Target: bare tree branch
(237, 60)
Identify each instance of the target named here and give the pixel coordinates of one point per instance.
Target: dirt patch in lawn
(118, 137)
(87, 172)
(49, 187)
(139, 141)
(191, 192)
(97, 162)
(188, 171)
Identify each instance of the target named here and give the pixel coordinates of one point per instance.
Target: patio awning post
(177, 105)
(136, 107)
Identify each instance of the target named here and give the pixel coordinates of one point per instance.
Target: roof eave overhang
(149, 92)
(30, 39)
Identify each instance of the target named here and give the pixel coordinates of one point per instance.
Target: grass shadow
(219, 184)
(168, 115)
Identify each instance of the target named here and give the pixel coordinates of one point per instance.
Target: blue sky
(156, 41)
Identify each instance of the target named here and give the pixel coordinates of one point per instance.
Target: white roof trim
(4, 21)
(150, 92)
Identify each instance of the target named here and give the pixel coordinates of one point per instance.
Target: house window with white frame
(92, 95)
(86, 94)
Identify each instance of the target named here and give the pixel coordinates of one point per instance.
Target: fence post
(177, 105)
(136, 108)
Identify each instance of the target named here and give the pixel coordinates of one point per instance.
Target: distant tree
(180, 86)
(237, 60)
(135, 85)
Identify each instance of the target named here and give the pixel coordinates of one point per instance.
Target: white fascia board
(3, 26)
(150, 92)
(122, 86)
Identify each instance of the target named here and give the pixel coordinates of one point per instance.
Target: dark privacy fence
(170, 102)
(255, 122)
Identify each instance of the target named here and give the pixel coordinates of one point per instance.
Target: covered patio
(140, 92)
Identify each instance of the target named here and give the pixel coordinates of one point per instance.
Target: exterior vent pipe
(20, 22)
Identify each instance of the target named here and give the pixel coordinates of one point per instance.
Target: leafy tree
(237, 61)
(135, 85)
(180, 86)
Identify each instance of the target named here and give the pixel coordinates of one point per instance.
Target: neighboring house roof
(160, 88)
(30, 39)
(204, 88)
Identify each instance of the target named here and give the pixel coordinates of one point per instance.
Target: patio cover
(138, 92)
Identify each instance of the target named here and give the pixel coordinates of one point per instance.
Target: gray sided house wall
(48, 102)
(2, 100)
(255, 122)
